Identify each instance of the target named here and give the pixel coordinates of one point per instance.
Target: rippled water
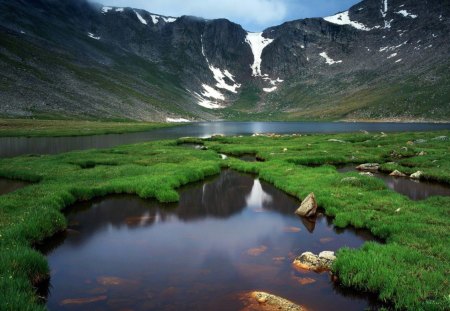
(14, 146)
(230, 234)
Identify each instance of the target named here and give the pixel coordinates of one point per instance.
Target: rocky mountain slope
(71, 58)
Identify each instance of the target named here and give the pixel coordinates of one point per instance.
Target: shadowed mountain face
(380, 59)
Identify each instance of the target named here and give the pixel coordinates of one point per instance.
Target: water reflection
(14, 146)
(231, 234)
(414, 189)
(9, 185)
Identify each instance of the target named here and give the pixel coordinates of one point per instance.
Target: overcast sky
(253, 15)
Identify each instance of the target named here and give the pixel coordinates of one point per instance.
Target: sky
(253, 15)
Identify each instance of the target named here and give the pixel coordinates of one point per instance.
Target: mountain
(381, 59)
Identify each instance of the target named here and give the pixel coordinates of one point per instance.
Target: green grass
(33, 128)
(410, 270)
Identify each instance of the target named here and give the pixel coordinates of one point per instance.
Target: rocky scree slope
(71, 58)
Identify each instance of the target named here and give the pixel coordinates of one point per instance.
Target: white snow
(91, 35)
(385, 6)
(220, 76)
(391, 48)
(157, 18)
(392, 55)
(106, 9)
(177, 120)
(119, 10)
(22, 32)
(141, 19)
(269, 89)
(168, 19)
(398, 60)
(344, 19)
(406, 14)
(211, 92)
(229, 75)
(257, 43)
(329, 60)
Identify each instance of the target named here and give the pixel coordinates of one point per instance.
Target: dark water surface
(9, 185)
(227, 235)
(14, 146)
(414, 189)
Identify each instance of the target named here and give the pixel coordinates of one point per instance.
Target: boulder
(267, 302)
(417, 175)
(420, 141)
(397, 173)
(336, 140)
(368, 174)
(371, 167)
(421, 154)
(308, 207)
(313, 262)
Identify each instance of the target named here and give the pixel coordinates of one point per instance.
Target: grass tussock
(410, 270)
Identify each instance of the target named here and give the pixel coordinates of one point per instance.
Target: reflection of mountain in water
(223, 197)
(258, 197)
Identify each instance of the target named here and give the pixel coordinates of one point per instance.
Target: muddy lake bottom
(228, 235)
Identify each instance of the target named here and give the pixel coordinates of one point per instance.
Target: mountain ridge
(92, 61)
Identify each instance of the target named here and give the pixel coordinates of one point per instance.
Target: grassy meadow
(410, 270)
(55, 128)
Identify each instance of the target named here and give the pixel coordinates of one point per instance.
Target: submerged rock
(313, 262)
(308, 207)
(417, 175)
(371, 167)
(80, 301)
(267, 302)
(397, 173)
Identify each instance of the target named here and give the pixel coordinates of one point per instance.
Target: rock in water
(313, 262)
(308, 207)
(371, 167)
(267, 302)
(397, 173)
(417, 175)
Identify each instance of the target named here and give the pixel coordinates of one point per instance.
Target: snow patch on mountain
(91, 35)
(269, 89)
(406, 14)
(329, 60)
(392, 55)
(119, 9)
(257, 43)
(211, 92)
(141, 19)
(220, 75)
(106, 9)
(344, 19)
(177, 120)
(157, 18)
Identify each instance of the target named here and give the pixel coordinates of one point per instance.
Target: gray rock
(371, 167)
(397, 173)
(308, 207)
(313, 262)
(417, 175)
